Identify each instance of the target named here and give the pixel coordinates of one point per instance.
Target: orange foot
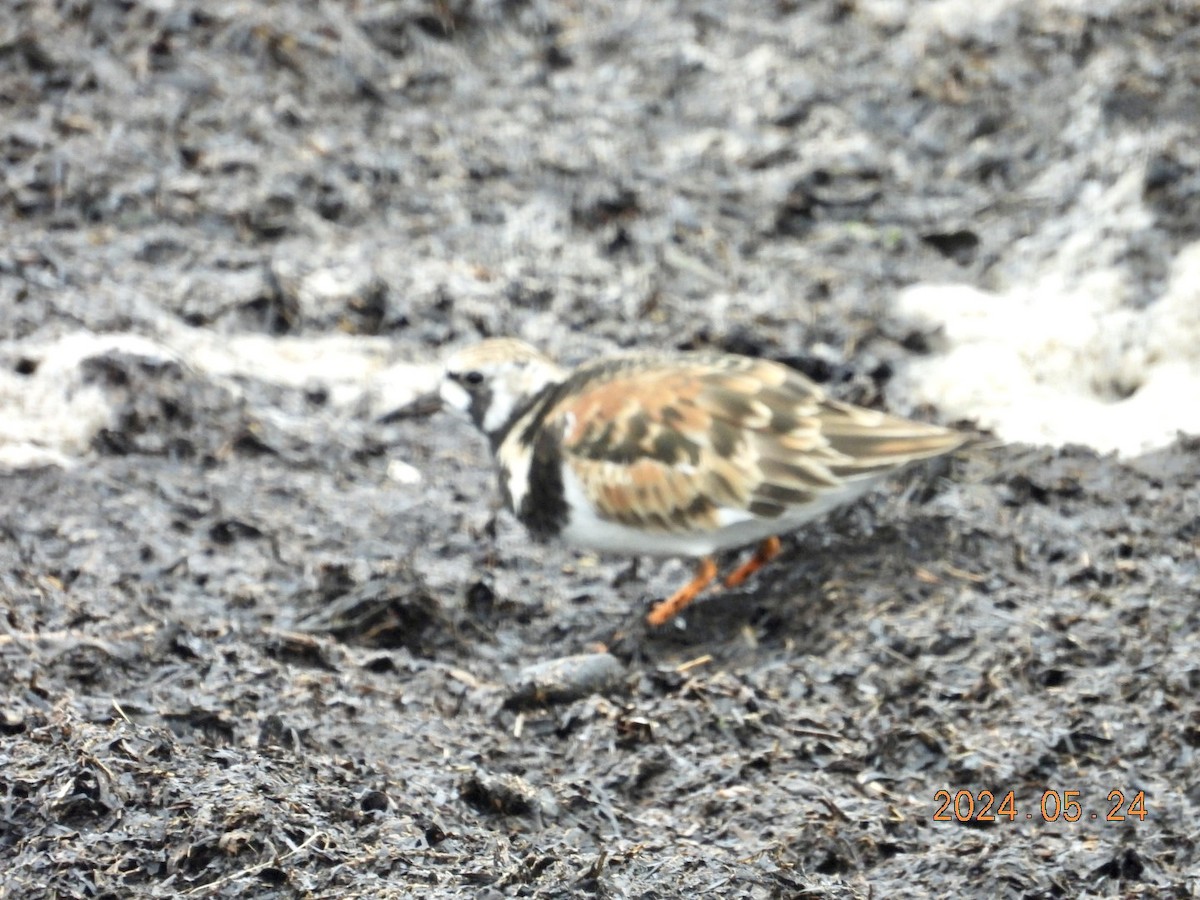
(706, 571)
(766, 552)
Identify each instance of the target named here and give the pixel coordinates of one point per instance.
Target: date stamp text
(1054, 806)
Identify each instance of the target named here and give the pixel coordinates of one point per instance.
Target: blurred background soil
(243, 653)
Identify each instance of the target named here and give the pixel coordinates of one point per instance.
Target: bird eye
(473, 378)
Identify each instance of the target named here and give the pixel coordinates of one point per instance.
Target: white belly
(737, 527)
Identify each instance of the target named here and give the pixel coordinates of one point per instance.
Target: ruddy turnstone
(683, 454)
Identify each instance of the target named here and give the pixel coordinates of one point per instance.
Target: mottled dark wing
(681, 444)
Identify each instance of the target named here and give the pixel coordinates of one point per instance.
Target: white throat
(512, 389)
(500, 410)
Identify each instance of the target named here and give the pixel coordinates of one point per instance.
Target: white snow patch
(350, 369)
(401, 384)
(50, 416)
(1065, 360)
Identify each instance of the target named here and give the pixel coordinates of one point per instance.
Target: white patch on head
(454, 396)
(500, 409)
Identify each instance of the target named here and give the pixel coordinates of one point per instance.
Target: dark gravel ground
(240, 660)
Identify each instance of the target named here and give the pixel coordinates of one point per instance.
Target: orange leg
(664, 612)
(766, 552)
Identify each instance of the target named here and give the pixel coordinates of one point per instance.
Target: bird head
(492, 380)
